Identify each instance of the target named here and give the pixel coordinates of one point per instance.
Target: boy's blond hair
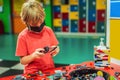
(32, 11)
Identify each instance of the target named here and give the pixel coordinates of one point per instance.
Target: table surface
(113, 68)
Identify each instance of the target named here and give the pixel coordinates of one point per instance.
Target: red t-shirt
(29, 41)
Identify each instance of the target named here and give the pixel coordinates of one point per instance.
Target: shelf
(78, 35)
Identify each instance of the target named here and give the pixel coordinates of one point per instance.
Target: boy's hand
(54, 52)
(38, 53)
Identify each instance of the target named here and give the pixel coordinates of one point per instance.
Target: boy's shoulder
(48, 28)
(23, 32)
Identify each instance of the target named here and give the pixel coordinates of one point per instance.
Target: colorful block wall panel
(92, 4)
(64, 8)
(82, 14)
(82, 2)
(73, 2)
(56, 2)
(101, 15)
(91, 27)
(65, 25)
(65, 29)
(64, 1)
(101, 4)
(57, 16)
(101, 27)
(65, 22)
(74, 8)
(18, 25)
(47, 6)
(82, 28)
(1, 27)
(65, 15)
(5, 16)
(114, 6)
(74, 25)
(74, 15)
(57, 22)
(57, 9)
(57, 29)
(88, 18)
(101, 21)
(74, 29)
(115, 29)
(91, 16)
(82, 25)
(114, 38)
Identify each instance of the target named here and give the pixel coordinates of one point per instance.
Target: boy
(34, 38)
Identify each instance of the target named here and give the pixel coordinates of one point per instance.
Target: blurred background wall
(78, 25)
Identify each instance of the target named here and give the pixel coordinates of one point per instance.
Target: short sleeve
(53, 38)
(21, 47)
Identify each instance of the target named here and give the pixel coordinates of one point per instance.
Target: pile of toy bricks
(101, 58)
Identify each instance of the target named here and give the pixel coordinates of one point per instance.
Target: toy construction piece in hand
(50, 50)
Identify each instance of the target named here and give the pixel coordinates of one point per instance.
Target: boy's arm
(29, 58)
(26, 59)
